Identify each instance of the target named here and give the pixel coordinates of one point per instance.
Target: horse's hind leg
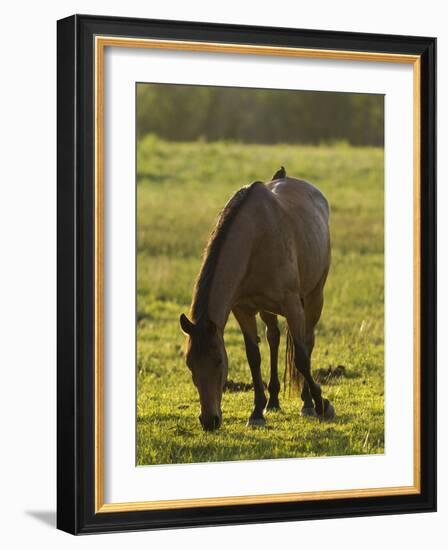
(247, 321)
(273, 337)
(313, 305)
(308, 405)
(313, 308)
(295, 316)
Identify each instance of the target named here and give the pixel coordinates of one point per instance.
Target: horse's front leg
(248, 324)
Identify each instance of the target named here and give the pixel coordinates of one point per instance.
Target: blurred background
(188, 113)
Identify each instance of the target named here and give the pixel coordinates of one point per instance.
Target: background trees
(189, 113)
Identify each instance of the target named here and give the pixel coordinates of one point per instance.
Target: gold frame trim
(101, 42)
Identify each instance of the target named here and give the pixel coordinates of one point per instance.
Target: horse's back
(308, 213)
(295, 194)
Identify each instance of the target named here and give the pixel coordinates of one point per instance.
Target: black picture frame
(76, 272)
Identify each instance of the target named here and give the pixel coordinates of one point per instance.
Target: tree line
(188, 113)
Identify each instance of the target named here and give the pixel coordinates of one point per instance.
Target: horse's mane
(201, 292)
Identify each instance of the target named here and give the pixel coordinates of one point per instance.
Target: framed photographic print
(246, 274)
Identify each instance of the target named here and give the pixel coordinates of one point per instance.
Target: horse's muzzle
(210, 423)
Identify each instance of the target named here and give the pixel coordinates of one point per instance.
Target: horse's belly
(257, 303)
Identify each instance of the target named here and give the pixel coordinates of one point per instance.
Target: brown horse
(269, 254)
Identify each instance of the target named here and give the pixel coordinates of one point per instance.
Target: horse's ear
(185, 324)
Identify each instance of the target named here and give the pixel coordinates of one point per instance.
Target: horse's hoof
(329, 412)
(256, 422)
(308, 411)
(273, 406)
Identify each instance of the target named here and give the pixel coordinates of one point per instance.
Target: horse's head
(207, 360)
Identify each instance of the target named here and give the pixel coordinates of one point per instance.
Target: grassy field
(181, 188)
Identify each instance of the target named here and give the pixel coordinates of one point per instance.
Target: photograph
(259, 274)
(221, 311)
(246, 274)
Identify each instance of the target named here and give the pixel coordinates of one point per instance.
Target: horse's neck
(231, 267)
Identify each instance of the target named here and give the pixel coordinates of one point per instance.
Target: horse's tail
(291, 378)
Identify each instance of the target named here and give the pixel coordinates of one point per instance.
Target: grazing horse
(269, 254)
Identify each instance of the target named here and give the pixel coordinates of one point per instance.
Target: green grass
(181, 188)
